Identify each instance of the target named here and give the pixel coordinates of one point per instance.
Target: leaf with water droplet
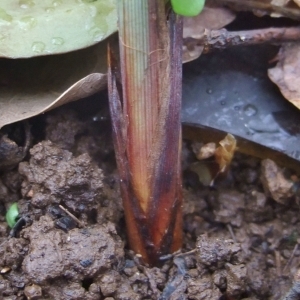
(33, 28)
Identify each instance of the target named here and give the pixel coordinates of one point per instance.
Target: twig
(177, 254)
(291, 258)
(229, 227)
(278, 263)
(186, 253)
(266, 7)
(221, 39)
(72, 216)
(28, 137)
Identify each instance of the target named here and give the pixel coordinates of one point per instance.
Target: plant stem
(146, 125)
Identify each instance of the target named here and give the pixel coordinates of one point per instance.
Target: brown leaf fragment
(224, 153)
(274, 182)
(193, 29)
(208, 170)
(280, 2)
(262, 7)
(210, 18)
(29, 87)
(204, 171)
(206, 151)
(286, 74)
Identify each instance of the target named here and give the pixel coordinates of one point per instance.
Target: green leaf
(34, 28)
(188, 8)
(12, 215)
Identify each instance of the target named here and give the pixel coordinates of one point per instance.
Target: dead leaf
(275, 183)
(32, 86)
(193, 29)
(204, 172)
(280, 2)
(224, 153)
(205, 151)
(297, 2)
(261, 8)
(286, 74)
(208, 170)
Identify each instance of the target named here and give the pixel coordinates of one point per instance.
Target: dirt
(240, 237)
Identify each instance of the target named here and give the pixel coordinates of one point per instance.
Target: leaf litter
(33, 86)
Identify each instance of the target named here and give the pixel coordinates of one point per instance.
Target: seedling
(12, 215)
(188, 8)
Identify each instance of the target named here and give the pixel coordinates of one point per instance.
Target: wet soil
(240, 236)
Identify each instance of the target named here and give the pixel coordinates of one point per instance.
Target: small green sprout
(188, 8)
(12, 215)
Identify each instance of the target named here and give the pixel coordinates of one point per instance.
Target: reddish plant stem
(147, 135)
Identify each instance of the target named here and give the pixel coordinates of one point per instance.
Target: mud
(239, 242)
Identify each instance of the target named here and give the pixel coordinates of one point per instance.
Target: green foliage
(188, 8)
(34, 28)
(12, 215)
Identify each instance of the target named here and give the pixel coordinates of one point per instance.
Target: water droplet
(5, 16)
(209, 91)
(223, 102)
(26, 3)
(38, 47)
(268, 124)
(49, 9)
(237, 107)
(28, 22)
(96, 33)
(57, 41)
(57, 3)
(250, 110)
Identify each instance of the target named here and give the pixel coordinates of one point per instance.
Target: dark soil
(243, 244)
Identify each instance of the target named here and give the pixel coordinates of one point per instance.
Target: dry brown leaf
(275, 8)
(193, 29)
(29, 87)
(206, 151)
(224, 153)
(207, 170)
(280, 2)
(286, 74)
(275, 183)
